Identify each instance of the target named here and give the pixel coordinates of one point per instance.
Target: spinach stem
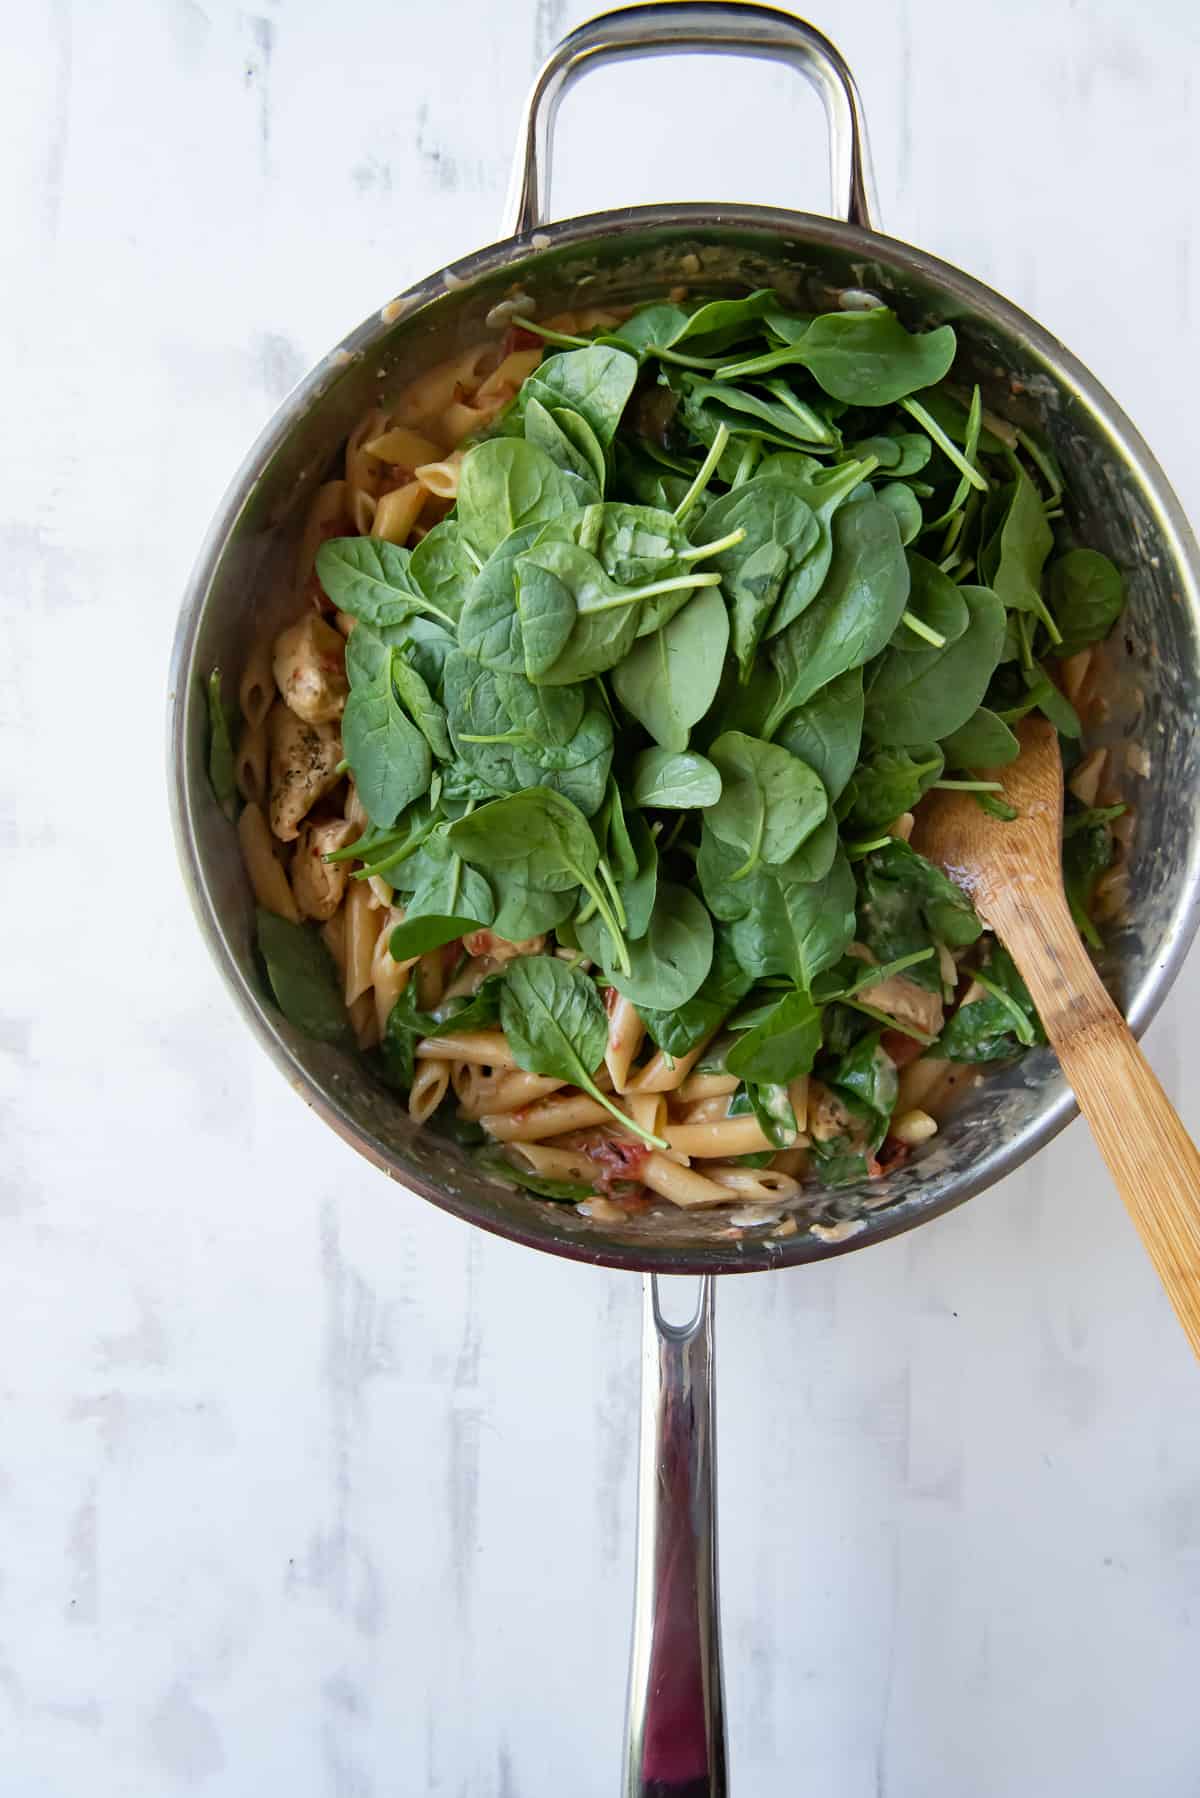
(713, 549)
(969, 786)
(623, 1117)
(632, 595)
(704, 474)
(924, 630)
(949, 449)
(610, 883)
(1045, 466)
(746, 466)
(560, 337)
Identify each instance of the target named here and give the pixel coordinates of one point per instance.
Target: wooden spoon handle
(1149, 1153)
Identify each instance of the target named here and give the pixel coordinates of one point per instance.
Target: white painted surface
(304, 1488)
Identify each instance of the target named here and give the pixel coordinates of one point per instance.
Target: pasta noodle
(256, 689)
(267, 875)
(549, 1117)
(363, 923)
(250, 768)
(398, 511)
(682, 1185)
(441, 477)
(719, 1139)
(625, 1034)
(428, 1090)
(486, 1048)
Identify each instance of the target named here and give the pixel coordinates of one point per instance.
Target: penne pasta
(388, 976)
(397, 512)
(555, 1164)
(328, 516)
(625, 1035)
(429, 1086)
(268, 876)
(363, 1022)
(486, 1048)
(708, 1086)
(441, 477)
(662, 1074)
(681, 1185)
(363, 922)
(549, 1117)
(764, 1183)
(256, 689)
(403, 448)
(720, 1139)
(250, 767)
(426, 398)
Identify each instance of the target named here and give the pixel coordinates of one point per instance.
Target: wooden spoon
(1013, 872)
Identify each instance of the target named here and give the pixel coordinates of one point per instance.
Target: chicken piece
(485, 942)
(827, 1116)
(303, 768)
(319, 886)
(309, 665)
(902, 999)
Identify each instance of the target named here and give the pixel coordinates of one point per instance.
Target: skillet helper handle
(675, 1740)
(704, 26)
(1152, 1159)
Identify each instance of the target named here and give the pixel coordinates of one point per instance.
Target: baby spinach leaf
(550, 715)
(864, 358)
(637, 885)
(524, 911)
(430, 930)
(680, 1029)
(442, 568)
(906, 903)
(719, 322)
(770, 800)
(424, 710)
(388, 756)
(596, 383)
(666, 781)
(220, 749)
(855, 613)
(888, 783)
(563, 1192)
(669, 963)
(868, 1071)
(772, 1105)
(668, 680)
(406, 1025)
(489, 627)
(304, 979)
(707, 405)
(505, 484)
(545, 429)
(1025, 542)
(1086, 594)
(986, 1029)
(555, 1025)
(508, 758)
(542, 840)
(924, 695)
(936, 603)
(904, 503)
(729, 894)
(781, 531)
(984, 741)
(1087, 853)
(826, 732)
(784, 1045)
(801, 929)
(372, 580)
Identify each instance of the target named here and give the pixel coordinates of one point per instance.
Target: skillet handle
(713, 26)
(675, 1737)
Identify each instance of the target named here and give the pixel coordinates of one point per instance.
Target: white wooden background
(304, 1488)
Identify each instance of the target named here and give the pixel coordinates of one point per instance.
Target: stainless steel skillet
(1119, 500)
